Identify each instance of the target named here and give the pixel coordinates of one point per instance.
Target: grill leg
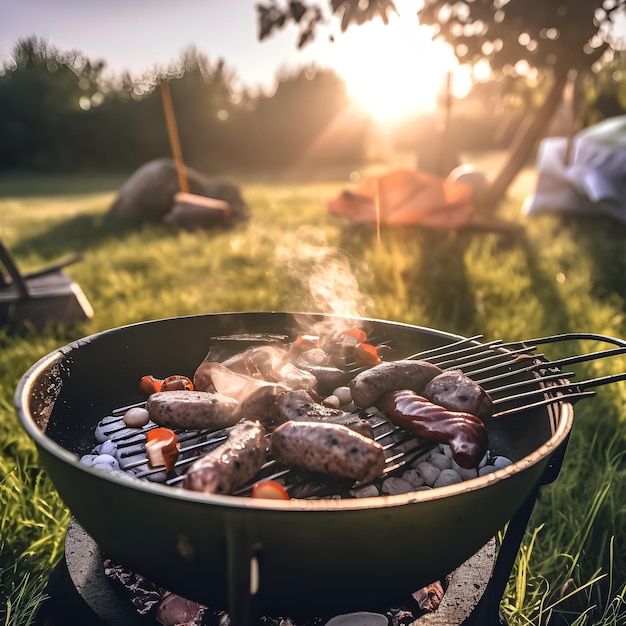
(487, 611)
(240, 553)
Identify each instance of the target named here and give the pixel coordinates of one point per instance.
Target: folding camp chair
(44, 298)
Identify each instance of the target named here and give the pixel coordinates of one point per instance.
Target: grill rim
(24, 392)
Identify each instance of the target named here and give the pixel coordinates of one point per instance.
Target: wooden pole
(172, 131)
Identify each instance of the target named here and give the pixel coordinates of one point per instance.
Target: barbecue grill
(314, 552)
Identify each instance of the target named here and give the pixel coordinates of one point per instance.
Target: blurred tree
(308, 122)
(41, 92)
(605, 96)
(563, 39)
(60, 113)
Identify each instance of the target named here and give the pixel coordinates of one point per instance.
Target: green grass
(559, 277)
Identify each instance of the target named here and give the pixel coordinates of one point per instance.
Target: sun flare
(395, 69)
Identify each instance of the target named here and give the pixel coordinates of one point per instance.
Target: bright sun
(395, 69)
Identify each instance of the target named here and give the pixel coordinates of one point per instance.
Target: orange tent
(403, 197)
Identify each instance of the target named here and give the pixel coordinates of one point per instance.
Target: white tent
(593, 181)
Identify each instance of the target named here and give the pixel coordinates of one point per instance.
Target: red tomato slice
(150, 384)
(366, 354)
(160, 434)
(269, 489)
(177, 382)
(357, 333)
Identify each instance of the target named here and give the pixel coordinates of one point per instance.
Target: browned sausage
(329, 449)
(454, 391)
(371, 384)
(192, 409)
(464, 433)
(233, 463)
(300, 407)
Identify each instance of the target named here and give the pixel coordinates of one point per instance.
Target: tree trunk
(527, 137)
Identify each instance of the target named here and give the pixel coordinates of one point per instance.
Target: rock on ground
(148, 195)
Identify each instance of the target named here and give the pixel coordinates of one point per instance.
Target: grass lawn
(560, 276)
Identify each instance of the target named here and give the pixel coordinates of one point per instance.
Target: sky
(387, 68)
(135, 35)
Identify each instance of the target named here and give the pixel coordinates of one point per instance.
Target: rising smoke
(324, 273)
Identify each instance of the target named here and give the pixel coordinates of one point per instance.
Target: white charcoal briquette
(440, 460)
(501, 461)
(487, 469)
(447, 477)
(344, 394)
(106, 462)
(414, 477)
(429, 472)
(463, 472)
(107, 447)
(393, 486)
(445, 449)
(366, 491)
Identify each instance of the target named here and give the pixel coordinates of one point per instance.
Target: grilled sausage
(192, 409)
(329, 449)
(225, 468)
(369, 385)
(300, 407)
(464, 433)
(456, 392)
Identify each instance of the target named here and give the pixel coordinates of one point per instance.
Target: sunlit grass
(559, 277)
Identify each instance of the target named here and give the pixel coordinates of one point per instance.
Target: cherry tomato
(357, 333)
(177, 382)
(269, 489)
(150, 384)
(162, 448)
(160, 434)
(366, 354)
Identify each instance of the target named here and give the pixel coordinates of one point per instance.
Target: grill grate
(514, 374)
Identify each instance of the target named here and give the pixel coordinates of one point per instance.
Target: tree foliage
(558, 38)
(544, 33)
(559, 35)
(59, 113)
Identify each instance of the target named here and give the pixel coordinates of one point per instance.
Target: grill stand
(487, 611)
(81, 595)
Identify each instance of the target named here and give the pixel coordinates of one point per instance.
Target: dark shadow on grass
(75, 235)
(30, 185)
(84, 233)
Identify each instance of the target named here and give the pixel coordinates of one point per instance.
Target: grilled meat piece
(259, 405)
(456, 392)
(223, 347)
(464, 433)
(319, 363)
(213, 376)
(300, 407)
(192, 409)
(369, 385)
(258, 362)
(329, 449)
(225, 468)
